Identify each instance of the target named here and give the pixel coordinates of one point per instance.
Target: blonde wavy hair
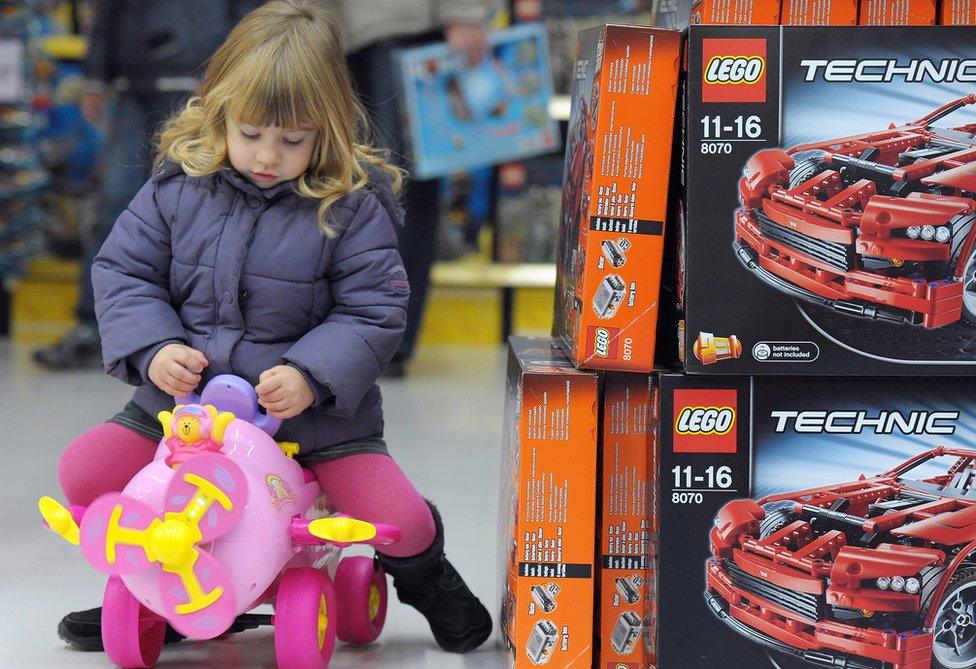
(283, 65)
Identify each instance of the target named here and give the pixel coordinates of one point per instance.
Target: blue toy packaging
(459, 117)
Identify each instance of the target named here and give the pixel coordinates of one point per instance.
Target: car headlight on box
(942, 234)
(912, 585)
(884, 583)
(928, 232)
(913, 231)
(897, 583)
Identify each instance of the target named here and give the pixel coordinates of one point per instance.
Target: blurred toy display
(565, 19)
(466, 207)
(22, 176)
(70, 147)
(459, 117)
(529, 197)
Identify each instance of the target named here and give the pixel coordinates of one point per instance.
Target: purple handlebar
(232, 393)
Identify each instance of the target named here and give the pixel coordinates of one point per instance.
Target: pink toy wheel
(305, 619)
(132, 634)
(361, 590)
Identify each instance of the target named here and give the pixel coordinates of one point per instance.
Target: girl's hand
(176, 369)
(284, 392)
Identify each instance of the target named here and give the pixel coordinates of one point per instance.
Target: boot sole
(87, 644)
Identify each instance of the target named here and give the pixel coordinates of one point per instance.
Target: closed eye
(248, 136)
(293, 142)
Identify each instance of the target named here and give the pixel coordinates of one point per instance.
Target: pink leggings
(368, 486)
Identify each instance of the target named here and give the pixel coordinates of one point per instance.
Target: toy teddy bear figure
(190, 429)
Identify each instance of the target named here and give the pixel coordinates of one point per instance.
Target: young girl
(264, 246)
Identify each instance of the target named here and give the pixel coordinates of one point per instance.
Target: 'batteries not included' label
(785, 351)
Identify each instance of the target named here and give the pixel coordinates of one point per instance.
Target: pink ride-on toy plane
(222, 521)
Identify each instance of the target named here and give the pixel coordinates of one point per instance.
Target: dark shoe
(83, 630)
(431, 584)
(80, 349)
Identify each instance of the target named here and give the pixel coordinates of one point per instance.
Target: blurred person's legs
(125, 167)
(373, 69)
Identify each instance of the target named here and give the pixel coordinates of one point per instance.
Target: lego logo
(601, 342)
(735, 69)
(705, 420)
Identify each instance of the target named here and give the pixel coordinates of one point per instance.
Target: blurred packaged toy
(460, 117)
(529, 197)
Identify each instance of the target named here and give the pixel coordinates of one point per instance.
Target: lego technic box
(547, 511)
(817, 522)
(615, 184)
(627, 523)
(829, 198)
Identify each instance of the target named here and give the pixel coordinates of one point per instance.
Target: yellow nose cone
(172, 542)
(59, 519)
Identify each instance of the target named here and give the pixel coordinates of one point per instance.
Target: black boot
(430, 584)
(83, 630)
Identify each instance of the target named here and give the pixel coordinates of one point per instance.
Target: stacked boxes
(615, 195)
(548, 508)
(828, 228)
(627, 527)
(735, 12)
(821, 511)
(897, 13)
(957, 12)
(819, 13)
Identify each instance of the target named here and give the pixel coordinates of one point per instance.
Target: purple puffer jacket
(246, 276)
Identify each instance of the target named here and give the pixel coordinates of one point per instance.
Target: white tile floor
(444, 424)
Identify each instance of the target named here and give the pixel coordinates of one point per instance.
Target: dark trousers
(126, 162)
(373, 70)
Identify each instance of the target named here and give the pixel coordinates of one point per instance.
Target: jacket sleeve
(347, 351)
(130, 276)
(462, 11)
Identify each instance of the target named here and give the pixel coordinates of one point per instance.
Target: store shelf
(510, 294)
(493, 275)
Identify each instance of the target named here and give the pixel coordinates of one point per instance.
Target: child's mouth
(261, 176)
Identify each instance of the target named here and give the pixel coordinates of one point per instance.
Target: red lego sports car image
(879, 573)
(878, 225)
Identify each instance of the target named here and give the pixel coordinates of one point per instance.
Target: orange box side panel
(819, 13)
(736, 12)
(896, 13)
(614, 196)
(626, 528)
(957, 13)
(549, 509)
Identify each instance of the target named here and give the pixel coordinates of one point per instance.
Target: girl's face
(269, 155)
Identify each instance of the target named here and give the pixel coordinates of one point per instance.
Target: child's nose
(268, 157)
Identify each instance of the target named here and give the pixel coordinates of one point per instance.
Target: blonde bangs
(274, 87)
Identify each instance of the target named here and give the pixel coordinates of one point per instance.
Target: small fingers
(180, 383)
(191, 359)
(182, 374)
(267, 387)
(281, 409)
